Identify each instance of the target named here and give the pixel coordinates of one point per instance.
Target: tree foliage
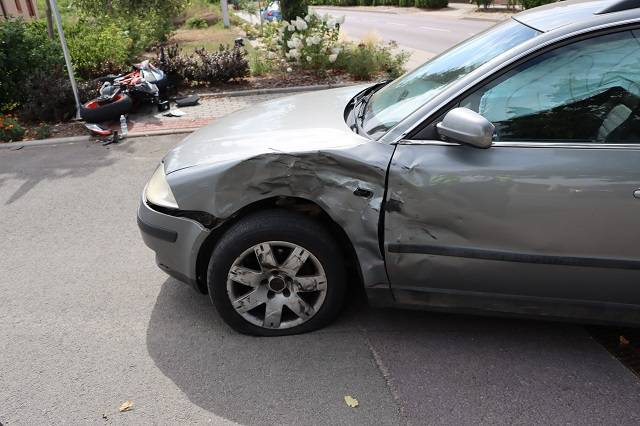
(291, 9)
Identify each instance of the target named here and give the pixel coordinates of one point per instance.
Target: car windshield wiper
(361, 101)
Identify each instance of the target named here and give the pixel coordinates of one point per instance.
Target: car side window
(587, 91)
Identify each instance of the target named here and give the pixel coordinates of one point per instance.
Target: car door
(551, 211)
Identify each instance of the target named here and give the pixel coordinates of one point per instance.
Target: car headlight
(158, 191)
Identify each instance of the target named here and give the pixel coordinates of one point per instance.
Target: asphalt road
(431, 34)
(87, 321)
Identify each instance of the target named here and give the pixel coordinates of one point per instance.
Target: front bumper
(175, 240)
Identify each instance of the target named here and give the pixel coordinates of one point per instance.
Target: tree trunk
(49, 20)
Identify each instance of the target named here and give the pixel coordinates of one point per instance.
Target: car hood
(305, 122)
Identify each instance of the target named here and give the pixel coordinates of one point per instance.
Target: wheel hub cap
(276, 285)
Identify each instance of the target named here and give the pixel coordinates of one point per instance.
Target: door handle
(636, 193)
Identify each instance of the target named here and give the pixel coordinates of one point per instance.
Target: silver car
(503, 176)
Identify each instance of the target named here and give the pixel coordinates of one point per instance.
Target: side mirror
(466, 126)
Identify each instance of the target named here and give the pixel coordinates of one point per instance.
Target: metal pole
(225, 13)
(67, 57)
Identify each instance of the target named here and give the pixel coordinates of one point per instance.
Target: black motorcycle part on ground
(93, 112)
(190, 100)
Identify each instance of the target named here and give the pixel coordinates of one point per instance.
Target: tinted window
(588, 91)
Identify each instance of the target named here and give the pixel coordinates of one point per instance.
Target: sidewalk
(209, 109)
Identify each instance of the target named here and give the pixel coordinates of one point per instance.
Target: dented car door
(549, 211)
(556, 223)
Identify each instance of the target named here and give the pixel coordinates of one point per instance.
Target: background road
(427, 33)
(87, 321)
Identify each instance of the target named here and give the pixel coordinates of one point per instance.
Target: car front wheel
(277, 273)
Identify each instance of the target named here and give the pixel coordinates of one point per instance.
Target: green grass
(209, 38)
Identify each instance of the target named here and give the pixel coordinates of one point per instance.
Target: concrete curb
(232, 93)
(274, 90)
(83, 139)
(480, 18)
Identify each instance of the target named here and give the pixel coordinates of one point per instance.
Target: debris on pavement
(351, 401)
(623, 341)
(114, 138)
(175, 113)
(125, 406)
(97, 129)
(185, 101)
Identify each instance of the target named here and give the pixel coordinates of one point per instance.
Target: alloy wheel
(276, 285)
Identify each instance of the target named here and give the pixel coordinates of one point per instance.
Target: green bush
(431, 4)
(98, 49)
(43, 131)
(10, 129)
(149, 18)
(196, 23)
(365, 60)
(24, 48)
(484, 3)
(259, 63)
(291, 9)
(528, 4)
(50, 98)
(405, 3)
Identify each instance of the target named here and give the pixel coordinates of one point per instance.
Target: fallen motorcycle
(120, 93)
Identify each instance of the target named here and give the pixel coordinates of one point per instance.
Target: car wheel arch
(296, 204)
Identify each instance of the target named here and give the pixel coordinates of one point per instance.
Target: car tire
(290, 237)
(93, 112)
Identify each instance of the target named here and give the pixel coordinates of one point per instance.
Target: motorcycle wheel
(93, 112)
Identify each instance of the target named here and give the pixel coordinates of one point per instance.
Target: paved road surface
(87, 321)
(432, 34)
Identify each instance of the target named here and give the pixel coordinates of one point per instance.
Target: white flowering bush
(312, 41)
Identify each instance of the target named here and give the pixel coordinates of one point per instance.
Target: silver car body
(522, 228)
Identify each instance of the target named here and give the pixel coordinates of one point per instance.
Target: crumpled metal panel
(324, 163)
(564, 203)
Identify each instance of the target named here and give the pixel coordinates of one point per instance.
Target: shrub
(98, 49)
(484, 3)
(206, 67)
(50, 98)
(10, 129)
(528, 4)
(364, 60)
(224, 65)
(405, 3)
(260, 63)
(249, 6)
(312, 42)
(291, 9)
(196, 23)
(431, 4)
(150, 19)
(43, 131)
(24, 47)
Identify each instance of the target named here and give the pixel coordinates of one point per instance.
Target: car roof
(555, 15)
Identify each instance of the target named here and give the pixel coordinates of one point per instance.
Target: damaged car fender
(340, 171)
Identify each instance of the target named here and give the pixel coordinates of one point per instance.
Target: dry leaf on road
(125, 406)
(623, 341)
(351, 401)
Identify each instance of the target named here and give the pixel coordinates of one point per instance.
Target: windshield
(400, 98)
